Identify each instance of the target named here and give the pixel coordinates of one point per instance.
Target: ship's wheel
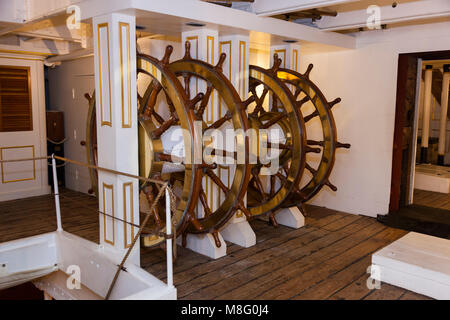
(170, 144)
(226, 193)
(321, 131)
(156, 158)
(281, 131)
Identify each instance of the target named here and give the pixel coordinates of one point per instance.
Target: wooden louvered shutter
(15, 99)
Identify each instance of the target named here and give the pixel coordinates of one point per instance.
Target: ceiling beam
(46, 36)
(214, 17)
(271, 7)
(403, 12)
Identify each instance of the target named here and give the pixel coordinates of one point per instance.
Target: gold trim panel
(126, 123)
(242, 51)
(104, 25)
(110, 187)
(125, 225)
(295, 60)
(18, 180)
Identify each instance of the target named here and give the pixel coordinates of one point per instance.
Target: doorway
(411, 208)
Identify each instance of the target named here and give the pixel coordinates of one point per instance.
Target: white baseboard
(25, 193)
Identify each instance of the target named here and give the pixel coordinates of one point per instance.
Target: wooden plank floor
(432, 199)
(327, 259)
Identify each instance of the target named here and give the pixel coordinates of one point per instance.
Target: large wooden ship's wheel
(154, 160)
(215, 214)
(269, 189)
(319, 119)
(165, 106)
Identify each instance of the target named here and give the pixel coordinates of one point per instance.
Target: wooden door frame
(401, 167)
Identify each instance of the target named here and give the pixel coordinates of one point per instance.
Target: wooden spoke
(259, 185)
(297, 92)
(224, 153)
(187, 84)
(280, 146)
(217, 181)
(312, 150)
(272, 185)
(310, 169)
(303, 101)
(281, 177)
(221, 121)
(259, 101)
(274, 107)
(149, 109)
(343, 145)
(244, 210)
(170, 105)
(211, 166)
(204, 102)
(315, 143)
(311, 116)
(196, 99)
(204, 201)
(330, 185)
(166, 125)
(334, 102)
(273, 121)
(169, 158)
(195, 223)
(158, 118)
(216, 237)
(272, 219)
(249, 101)
(150, 198)
(308, 71)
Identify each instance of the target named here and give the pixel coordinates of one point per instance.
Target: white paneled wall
(67, 85)
(366, 80)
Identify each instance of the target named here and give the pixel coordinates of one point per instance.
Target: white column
(236, 69)
(116, 105)
(426, 112)
(204, 46)
(289, 55)
(444, 110)
(290, 59)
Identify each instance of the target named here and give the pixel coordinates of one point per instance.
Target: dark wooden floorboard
(432, 199)
(327, 259)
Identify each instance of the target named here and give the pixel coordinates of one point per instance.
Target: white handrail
(56, 190)
(169, 240)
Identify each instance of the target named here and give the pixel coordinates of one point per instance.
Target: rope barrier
(149, 231)
(57, 143)
(162, 186)
(136, 237)
(26, 159)
(157, 182)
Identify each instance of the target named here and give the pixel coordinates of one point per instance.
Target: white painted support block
(416, 262)
(239, 233)
(290, 217)
(432, 178)
(205, 245)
